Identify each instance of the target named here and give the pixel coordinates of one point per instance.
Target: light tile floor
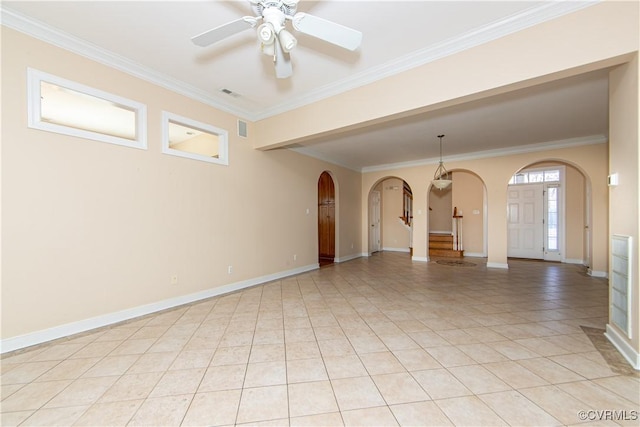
(377, 341)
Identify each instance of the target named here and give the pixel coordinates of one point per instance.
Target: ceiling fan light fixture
(266, 33)
(274, 39)
(287, 40)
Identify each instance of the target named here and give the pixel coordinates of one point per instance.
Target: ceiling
(151, 39)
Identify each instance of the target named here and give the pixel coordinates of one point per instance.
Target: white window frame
(34, 111)
(223, 139)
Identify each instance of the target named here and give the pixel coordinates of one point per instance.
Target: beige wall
(468, 197)
(440, 210)
(575, 193)
(90, 229)
(624, 214)
(348, 205)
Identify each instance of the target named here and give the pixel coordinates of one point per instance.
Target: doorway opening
(391, 216)
(540, 198)
(326, 219)
(457, 217)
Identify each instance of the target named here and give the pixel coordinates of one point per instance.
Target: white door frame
(558, 255)
(374, 222)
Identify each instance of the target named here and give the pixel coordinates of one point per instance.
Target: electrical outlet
(230, 269)
(295, 257)
(174, 279)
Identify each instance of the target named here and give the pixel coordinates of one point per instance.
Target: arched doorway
(326, 219)
(390, 216)
(541, 197)
(457, 218)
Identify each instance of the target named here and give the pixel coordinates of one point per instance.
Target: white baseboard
(406, 250)
(420, 258)
(475, 254)
(573, 261)
(596, 273)
(348, 257)
(504, 266)
(38, 337)
(618, 341)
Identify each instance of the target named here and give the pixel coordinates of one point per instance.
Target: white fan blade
(282, 62)
(224, 31)
(328, 31)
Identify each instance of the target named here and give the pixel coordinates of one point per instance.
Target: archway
(390, 215)
(457, 217)
(549, 213)
(326, 219)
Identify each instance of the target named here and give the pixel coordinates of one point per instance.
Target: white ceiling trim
(499, 152)
(500, 28)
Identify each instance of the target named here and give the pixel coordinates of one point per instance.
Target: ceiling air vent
(230, 92)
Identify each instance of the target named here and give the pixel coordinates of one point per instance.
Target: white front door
(525, 215)
(374, 226)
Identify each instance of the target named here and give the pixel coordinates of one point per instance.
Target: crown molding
(511, 24)
(509, 151)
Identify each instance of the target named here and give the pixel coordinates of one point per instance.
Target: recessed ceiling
(151, 39)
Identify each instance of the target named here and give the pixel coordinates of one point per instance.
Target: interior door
(587, 229)
(326, 218)
(374, 226)
(525, 215)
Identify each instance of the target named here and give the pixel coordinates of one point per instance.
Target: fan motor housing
(287, 7)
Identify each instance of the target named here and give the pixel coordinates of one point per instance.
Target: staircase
(441, 245)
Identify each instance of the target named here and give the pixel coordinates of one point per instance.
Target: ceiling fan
(275, 40)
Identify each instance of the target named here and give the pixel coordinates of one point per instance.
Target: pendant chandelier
(440, 180)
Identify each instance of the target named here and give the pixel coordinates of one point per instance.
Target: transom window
(66, 107)
(188, 138)
(532, 177)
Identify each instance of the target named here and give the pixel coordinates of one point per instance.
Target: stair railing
(407, 206)
(457, 230)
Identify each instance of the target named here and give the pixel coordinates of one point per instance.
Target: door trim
(374, 212)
